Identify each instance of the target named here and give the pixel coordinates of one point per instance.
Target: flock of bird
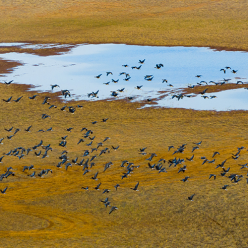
(127, 77)
(93, 150)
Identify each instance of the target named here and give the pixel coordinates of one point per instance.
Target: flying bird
(112, 209)
(4, 190)
(191, 197)
(136, 187)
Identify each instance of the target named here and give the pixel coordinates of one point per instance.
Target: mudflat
(55, 209)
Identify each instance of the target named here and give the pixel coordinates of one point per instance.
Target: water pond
(157, 75)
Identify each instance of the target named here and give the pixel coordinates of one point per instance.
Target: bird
(194, 148)
(8, 130)
(95, 176)
(139, 87)
(225, 187)
(80, 140)
(75, 160)
(97, 187)
(9, 82)
(191, 197)
(28, 129)
(4, 190)
(149, 78)
(52, 106)
(89, 144)
(124, 162)
(54, 86)
(116, 186)
(32, 175)
(63, 108)
(98, 76)
(115, 148)
(86, 171)
(114, 93)
(127, 78)
(105, 191)
(44, 116)
(37, 154)
(1, 158)
(66, 93)
(136, 187)
(85, 188)
(191, 158)
(72, 110)
(204, 161)
(46, 100)
(226, 170)
(158, 66)
(142, 149)
(185, 179)
(151, 157)
(212, 175)
(183, 169)
(8, 100)
(67, 165)
(112, 209)
(104, 201)
(106, 139)
(32, 97)
(204, 91)
(212, 161)
(107, 165)
(18, 99)
(141, 61)
(63, 143)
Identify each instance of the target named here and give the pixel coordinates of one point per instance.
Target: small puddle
(77, 71)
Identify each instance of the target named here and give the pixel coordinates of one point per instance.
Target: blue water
(76, 70)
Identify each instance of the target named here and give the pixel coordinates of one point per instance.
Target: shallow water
(77, 69)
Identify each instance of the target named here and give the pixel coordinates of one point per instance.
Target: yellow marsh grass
(54, 211)
(214, 23)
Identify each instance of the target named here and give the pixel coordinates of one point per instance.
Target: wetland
(162, 153)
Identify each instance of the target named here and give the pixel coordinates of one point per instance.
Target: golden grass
(54, 211)
(214, 23)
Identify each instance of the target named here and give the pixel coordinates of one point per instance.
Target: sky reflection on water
(76, 70)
